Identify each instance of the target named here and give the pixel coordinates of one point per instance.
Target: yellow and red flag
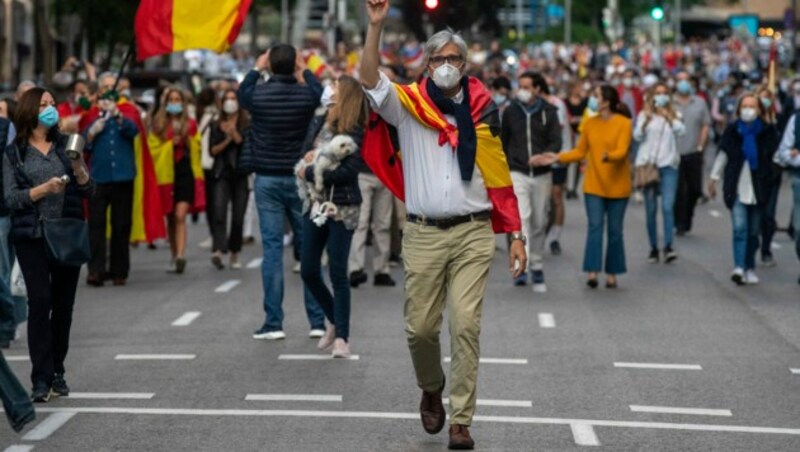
(316, 64)
(166, 26)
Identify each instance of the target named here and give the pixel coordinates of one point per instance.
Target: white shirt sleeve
(719, 166)
(638, 132)
(383, 99)
(678, 127)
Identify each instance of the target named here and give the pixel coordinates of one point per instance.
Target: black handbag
(67, 241)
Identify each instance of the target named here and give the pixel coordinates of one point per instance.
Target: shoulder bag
(647, 175)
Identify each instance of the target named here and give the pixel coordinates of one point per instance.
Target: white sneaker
(341, 349)
(638, 197)
(738, 276)
(270, 336)
(206, 244)
(287, 239)
(316, 334)
(750, 278)
(327, 340)
(296, 268)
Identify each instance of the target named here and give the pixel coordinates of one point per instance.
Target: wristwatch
(518, 236)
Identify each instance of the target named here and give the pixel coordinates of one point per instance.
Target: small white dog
(326, 158)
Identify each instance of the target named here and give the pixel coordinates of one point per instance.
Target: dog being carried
(327, 157)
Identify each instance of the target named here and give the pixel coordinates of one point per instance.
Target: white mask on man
(446, 76)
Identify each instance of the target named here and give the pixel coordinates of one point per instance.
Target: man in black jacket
(281, 110)
(530, 126)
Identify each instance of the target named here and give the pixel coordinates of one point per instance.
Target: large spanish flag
(166, 26)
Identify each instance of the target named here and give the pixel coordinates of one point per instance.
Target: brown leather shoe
(120, 281)
(460, 439)
(93, 279)
(431, 411)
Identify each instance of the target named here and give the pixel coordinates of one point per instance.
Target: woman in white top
(744, 160)
(656, 127)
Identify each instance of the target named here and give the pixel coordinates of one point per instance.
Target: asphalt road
(568, 372)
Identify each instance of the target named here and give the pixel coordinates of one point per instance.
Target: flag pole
(128, 55)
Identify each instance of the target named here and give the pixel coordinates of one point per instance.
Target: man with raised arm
(457, 187)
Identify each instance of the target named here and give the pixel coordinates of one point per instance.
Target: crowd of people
(522, 130)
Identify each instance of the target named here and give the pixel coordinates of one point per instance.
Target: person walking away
(691, 147)
(280, 111)
(744, 159)
(604, 143)
(348, 116)
(458, 191)
(789, 156)
(530, 127)
(656, 129)
(229, 188)
(174, 144)
(34, 188)
(769, 224)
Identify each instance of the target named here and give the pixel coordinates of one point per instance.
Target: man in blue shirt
(112, 163)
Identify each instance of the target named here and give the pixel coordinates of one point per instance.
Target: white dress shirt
(658, 144)
(744, 188)
(433, 185)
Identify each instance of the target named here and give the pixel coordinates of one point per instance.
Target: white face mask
(446, 76)
(230, 106)
(524, 96)
(749, 114)
(627, 82)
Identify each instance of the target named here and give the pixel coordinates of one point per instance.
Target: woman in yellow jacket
(604, 143)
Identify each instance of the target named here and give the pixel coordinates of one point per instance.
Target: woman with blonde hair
(656, 166)
(175, 147)
(348, 116)
(769, 224)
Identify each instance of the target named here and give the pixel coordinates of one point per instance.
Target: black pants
(228, 190)
(51, 296)
(690, 189)
(208, 181)
(119, 196)
(769, 223)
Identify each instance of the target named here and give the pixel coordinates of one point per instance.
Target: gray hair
(437, 42)
(105, 75)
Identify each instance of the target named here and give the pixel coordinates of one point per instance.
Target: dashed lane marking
(292, 398)
(49, 425)
(522, 362)
(255, 263)
(159, 357)
(675, 410)
(187, 318)
(715, 213)
(112, 395)
(500, 403)
(795, 371)
(18, 358)
(546, 320)
(658, 366)
(227, 286)
(19, 448)
(315, 358)
(584, 434)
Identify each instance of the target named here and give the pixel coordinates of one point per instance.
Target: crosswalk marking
(19, 448)
(112, 395)
(18, 358)
(584, 435)
(659, 366)
(500, 403)
(795, 371)
(164, 357)
(448, 359)
(49, 425)
(292, 398)
(314, 357)
(255, 263)
(546, 320)
(227, 286)
(187, 318)
(675, 410)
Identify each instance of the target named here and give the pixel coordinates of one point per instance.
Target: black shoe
(384, 279)
(555, 248)
(670, 255)
(767, 260)
(216, 261)
(571, 194)
(180, 265)
(41, 393)
(653, 258)
(681, 232)
(60, 385)
(152, 246)
(592, 283)
(357, 278)
(94, 279)
(5, 344)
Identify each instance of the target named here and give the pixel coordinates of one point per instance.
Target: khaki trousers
(438, 263)
(376, 204)
(533, 194)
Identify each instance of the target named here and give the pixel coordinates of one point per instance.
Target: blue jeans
(337, 239)
(746, 220)
(667, 188)
(796, 214)
(8, 321)
(277, 198)
(599, 211)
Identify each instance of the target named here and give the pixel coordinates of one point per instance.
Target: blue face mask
(499, 99)
(661, 100)
(766, 102)
(174, 108)
(684, 87)
(593, 104)
(48, 117)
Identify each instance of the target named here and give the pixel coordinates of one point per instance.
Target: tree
(104, 24)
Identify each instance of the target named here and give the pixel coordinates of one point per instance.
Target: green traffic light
(657, 13)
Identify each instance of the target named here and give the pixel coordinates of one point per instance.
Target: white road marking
(546, 320)
(674, 410)
(659, 366)
(187, 319)
(19, 448)
(18, 358)
(584, 435)
(164, 357)
(112, 395)
(228, 286)
(313, 357)
(776, 246)
(415, 417)
(255, 263)
(503, 403)
(715, 213)
(795, 371)
(447, 359)
(292, 398)
(49, 425)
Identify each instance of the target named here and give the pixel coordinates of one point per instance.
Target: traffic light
(657, 13)
(431, 5)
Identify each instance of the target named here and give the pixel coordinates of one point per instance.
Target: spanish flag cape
(163, 153)
(148, 223)
(380, 155)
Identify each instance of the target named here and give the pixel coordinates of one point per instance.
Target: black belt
(447, 223)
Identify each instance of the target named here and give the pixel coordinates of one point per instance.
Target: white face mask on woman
(748, 114)
(230, 106)
(446, 76)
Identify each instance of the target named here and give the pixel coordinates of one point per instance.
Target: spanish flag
(166, 26)
(316, 64)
